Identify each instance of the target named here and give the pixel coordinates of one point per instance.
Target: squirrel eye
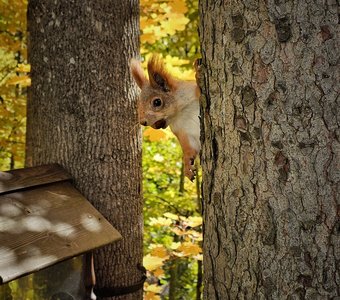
(157, 102)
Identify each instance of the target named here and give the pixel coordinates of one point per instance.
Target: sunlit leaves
(170, 219)
(162, 18)
(154, 135)
(23, 68)
(194, 221)
(184, 243)
(13, 82)
(22, 80)
(151, 262)
(169, 27)
(171, 216)
(160, 221)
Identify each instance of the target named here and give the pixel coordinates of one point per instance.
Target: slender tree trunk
(270, 149)
(82, 115)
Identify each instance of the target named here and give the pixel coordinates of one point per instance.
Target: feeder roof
(44, 220)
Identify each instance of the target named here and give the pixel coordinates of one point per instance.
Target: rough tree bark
(82, 115)
(270, 153)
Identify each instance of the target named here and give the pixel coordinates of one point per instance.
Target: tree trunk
(270, 149)
(82, 115)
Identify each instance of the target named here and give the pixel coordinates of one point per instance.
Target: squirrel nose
(144, 123)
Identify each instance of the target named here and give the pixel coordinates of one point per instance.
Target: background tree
(82, 115)
(270, 157)
(172, 234)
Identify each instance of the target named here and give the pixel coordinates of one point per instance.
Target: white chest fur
(186, 120)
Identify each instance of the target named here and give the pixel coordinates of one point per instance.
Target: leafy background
(172, 238)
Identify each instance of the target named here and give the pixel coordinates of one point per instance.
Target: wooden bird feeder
(45, 220)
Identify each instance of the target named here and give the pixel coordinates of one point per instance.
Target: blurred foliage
(172, 220)
(170, 29)
(172, 235)
(13, 83)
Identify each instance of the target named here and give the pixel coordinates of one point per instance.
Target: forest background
(172, 219)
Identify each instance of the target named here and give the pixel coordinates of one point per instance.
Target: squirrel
(167, 101)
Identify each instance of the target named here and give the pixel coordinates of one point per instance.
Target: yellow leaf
(154, 134)
(171, 216)
(154, 288)
(24, 68)
(175, 23)
(145, 22)
(152, 262)
(189, 249)
(178, 6)
(198, 257)
(160, 221)
(159, 273)
(22, 80)
(148, 38)
(178, 231)
(160, 251)
(195, 235)
(151, 296)
(194, 221)
(175, 245)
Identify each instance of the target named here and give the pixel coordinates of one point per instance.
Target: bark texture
(82, 115)
(270, 149)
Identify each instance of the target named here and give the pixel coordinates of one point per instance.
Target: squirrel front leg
(189, 155)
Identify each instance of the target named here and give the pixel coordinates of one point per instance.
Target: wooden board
(45, 225)
(29, 177)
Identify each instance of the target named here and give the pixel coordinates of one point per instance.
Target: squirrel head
(157, 102)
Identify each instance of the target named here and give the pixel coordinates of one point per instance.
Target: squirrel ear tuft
(159, 76)
(137, 73)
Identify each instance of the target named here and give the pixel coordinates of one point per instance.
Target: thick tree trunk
(270, 153)
(82, 115)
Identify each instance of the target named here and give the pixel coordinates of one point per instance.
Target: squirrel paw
(190, 169)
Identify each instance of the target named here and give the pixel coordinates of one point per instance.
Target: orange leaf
(159, 272)
(151, 296)
(160, 251)
(154, 134)
(189, 249)
(178, 6)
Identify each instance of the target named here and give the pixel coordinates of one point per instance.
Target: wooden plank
(29, 177)
(42, 226)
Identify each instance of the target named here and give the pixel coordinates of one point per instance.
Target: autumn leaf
(195, 235)
(194, 221)
(189, 249)
(158, 273)
(154, 134)
(176, 22)
(154, 288)
(198, 257)
(24, 68)
(23, 80)
(160, 221)
(160, 251)
(171, 216)
(151, 296)
(178, 231)
(175, 245)
(178, 6)
(152, 262)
